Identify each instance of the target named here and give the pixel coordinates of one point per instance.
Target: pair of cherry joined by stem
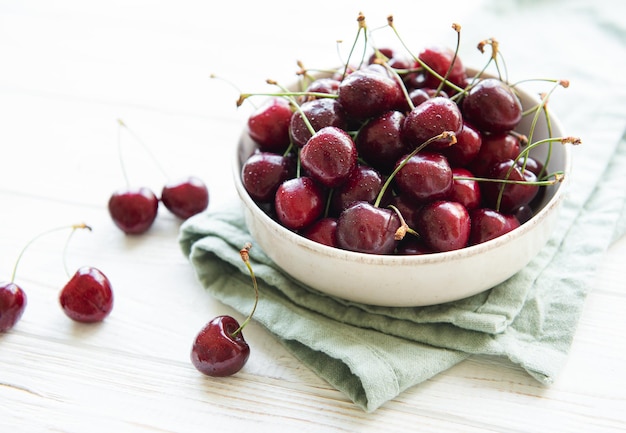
(86, 297)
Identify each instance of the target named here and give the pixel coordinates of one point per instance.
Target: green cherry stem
(446, 135)
(122, 125)
(73, 227)
(245, 256)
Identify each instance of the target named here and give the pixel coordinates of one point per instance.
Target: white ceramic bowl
(411, 280)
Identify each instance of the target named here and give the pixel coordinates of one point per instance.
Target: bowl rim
(399, 260)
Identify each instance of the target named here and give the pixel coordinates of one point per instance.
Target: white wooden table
(68, 71)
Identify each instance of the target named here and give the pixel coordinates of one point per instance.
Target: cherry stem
(32, 240)
(362, 28)
(418, 60)
(245, 256)
(404, 227)
(143, 145)
(446, 135)
(457, 29)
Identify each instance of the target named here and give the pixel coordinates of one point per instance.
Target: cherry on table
(220, 348)
(87, 297)
(133, 210)
(13, 302)
(185, 197)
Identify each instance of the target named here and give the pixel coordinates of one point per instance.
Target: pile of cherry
(400, 155)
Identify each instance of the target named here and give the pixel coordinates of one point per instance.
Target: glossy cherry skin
(364, 94)
(467, 147)
(185, 197)
(329, 156)
(12, 305)
(444, 225)
(512, 195)
(363, 184)
(464, 190)
(439, 59)
(429, 119)
(323, 231)
(216, 351)
(494, 148)
(133, 210)
(366, 228)
(263, 172)
(425, 176)
(492, 106)
(268, 126)
(379, 141)
(87, 296)
(320, 113)
(488, 224)
(299, 202)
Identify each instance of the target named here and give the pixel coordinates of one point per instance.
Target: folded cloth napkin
(374, 353)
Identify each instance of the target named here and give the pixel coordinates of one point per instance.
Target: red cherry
(465, 190)
(366, 228)
(467, 147)
(216, 351)
(429, 119)
(365, 93)
(87, 296)
(439, 59)
(494, 148)
(186, 197)
(508, 197)
(133, 210)
(323, 231)
(379, 141)
(489, 224)
(298, 202)
(363, 184)
(320, 113)
(269, 125)
(12, 305)
(425, 176)
(444, 225)
(492, 106)
(329, 156)
(263, 172)
(220, 349)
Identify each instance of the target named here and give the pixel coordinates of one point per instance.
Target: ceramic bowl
(408, 281)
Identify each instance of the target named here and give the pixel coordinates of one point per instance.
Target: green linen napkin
(373, 353)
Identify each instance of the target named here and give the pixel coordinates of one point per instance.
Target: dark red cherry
(466, 148)
(12, 305)
(489, 224)
(508, 197)
(323, 85)
(299, 202)
(133, 210)
(494, 148)
(412, 246)
(429, 119)
(365, 94)
(366, 228)
(439, 59)
(465, 190)
(444, 225)
(492, 106)
(87, 296)
(329, 156)
(379, 141)
(320, 113)
(323, 231)
(263, 172)
(216, 351)
(185, 197)
(268, 126)
(425, 176)
(363, 184)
